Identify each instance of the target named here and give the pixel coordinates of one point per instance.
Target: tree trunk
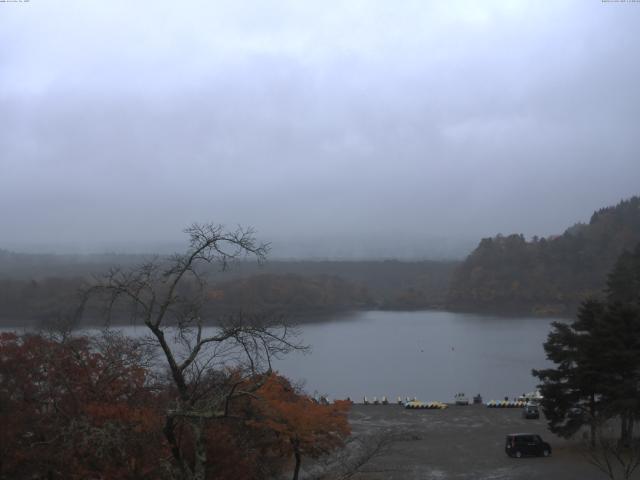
(624, 429)
(298, 457)
(200, 460)
(592, 411)
(180, 469)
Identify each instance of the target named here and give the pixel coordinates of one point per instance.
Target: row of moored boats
(459, 399)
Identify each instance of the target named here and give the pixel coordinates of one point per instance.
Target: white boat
(531, 397)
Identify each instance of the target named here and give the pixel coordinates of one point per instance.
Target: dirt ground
(464, 443)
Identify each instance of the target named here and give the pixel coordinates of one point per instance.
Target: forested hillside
(40, 288)
(291, 294)
(546, 275)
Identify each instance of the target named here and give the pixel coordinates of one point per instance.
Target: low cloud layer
(370, 124)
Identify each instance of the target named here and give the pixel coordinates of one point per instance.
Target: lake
(427, 354)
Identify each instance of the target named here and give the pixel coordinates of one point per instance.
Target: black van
(526, 444)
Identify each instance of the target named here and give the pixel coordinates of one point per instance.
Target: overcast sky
(362, 122)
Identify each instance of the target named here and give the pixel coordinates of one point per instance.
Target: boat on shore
(416, 404)
(531, 397)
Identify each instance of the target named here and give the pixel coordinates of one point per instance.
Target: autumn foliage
(299, 425)
(76, 409)
(92, 408)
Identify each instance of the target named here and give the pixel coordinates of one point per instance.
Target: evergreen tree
(597, 358)
(623, 283)
(619, 334)
(572, 391)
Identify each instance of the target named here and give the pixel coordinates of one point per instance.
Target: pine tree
(623, 283)
(597, 358)
(572, 391)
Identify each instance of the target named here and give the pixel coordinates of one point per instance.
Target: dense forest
(546, 275)
(43, 288)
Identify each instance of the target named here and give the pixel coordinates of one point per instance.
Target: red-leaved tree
(77, 409)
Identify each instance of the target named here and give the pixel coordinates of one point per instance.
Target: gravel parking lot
(464, 443)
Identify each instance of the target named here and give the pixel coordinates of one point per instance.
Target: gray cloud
(366, 123)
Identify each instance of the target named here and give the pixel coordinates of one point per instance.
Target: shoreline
(308, 317)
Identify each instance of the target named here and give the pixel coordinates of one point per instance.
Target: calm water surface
(427, 354)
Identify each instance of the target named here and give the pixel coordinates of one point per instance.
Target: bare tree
(612, 457)
(208, 367)
(360, 455)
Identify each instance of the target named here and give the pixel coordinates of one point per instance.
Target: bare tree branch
(167, 296)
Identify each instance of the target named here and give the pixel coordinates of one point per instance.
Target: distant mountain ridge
(546, 275)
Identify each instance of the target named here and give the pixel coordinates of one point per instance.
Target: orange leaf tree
(298, 425)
